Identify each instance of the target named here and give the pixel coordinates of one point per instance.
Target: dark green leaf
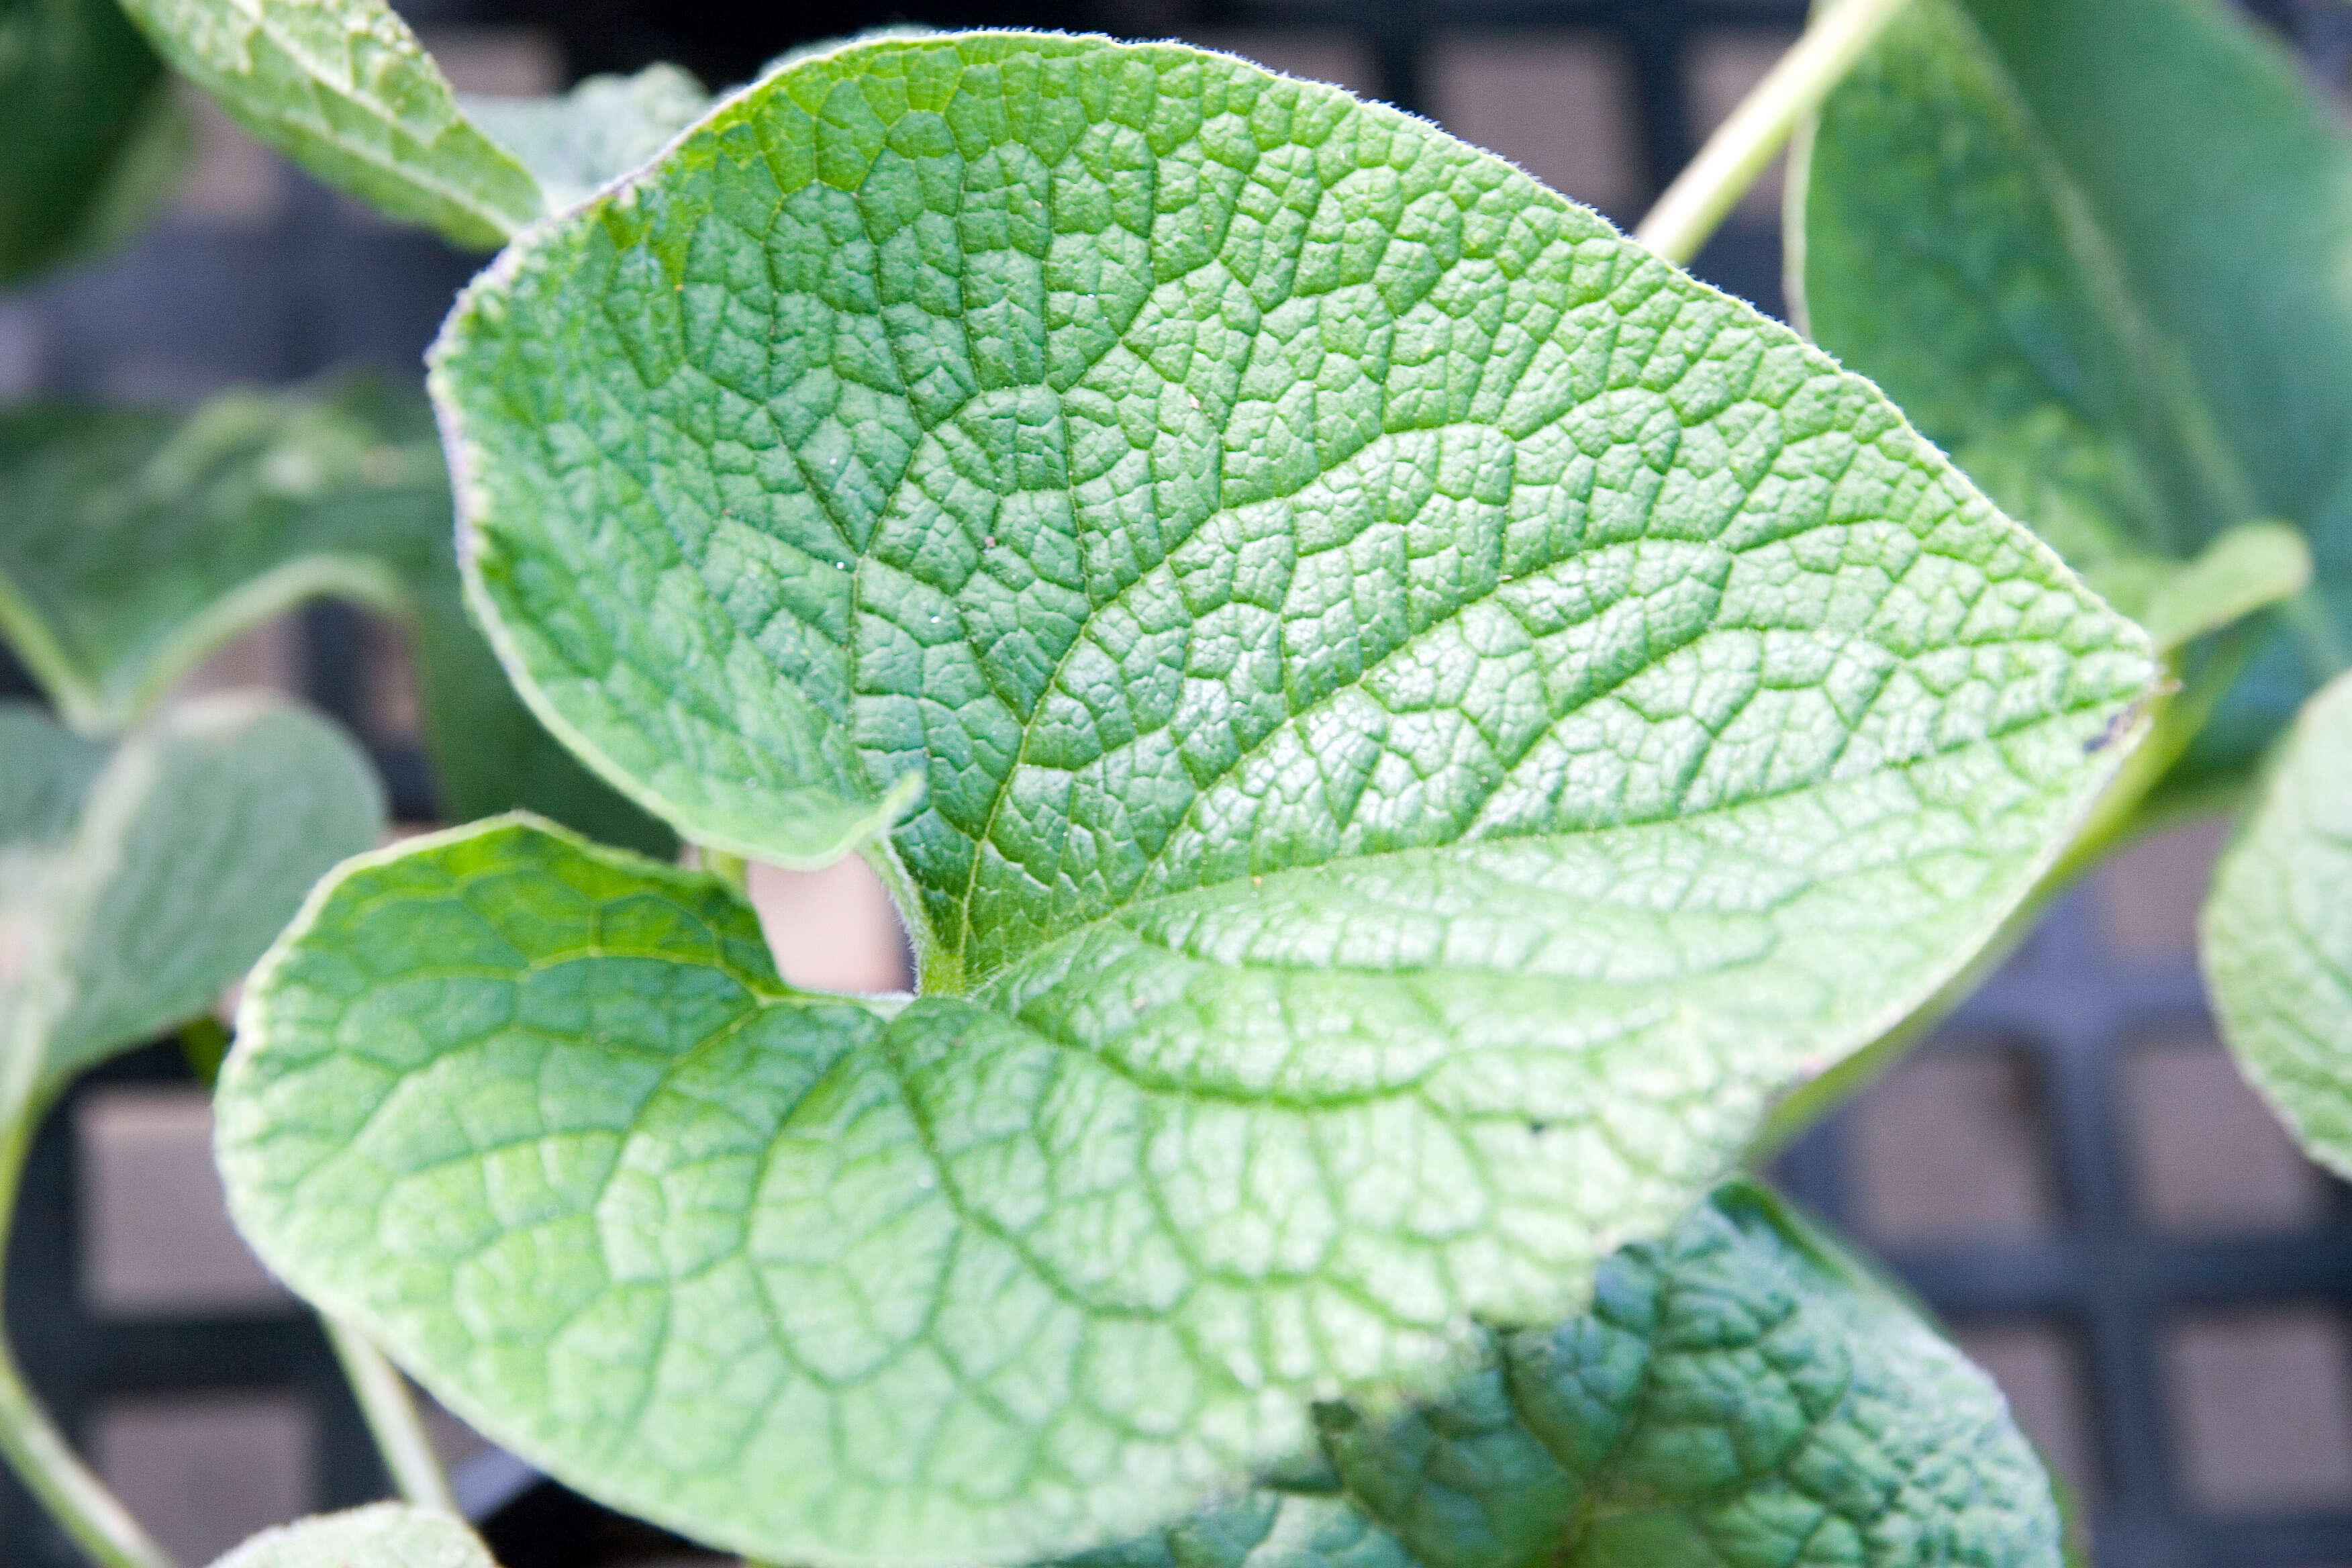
(2096, 248)
(90, 136)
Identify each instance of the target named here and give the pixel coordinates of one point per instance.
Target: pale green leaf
(132, 892)
(2249, 568)
(257, 502)
(2278, 932)
(1991, 225)
(1402, 723)
(1740, 1392)
(386, 1535)
(91, 135)
(605, 127)
(343, 87)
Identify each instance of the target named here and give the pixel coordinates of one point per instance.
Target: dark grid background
(197, 306)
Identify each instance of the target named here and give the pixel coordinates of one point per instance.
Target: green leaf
(89, 132)
(2249, 568)
(488, 753)
(1419, 721)
(385, 1535)
(1990, 226)
(1741, 1391)
(2277, 946)
(343, 87)
(135, 885)
(259, 501)
(605, 127)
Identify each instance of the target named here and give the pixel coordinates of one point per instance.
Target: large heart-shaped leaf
(386, 1535)
(1991, 223)
(1742, 1392)
(1424, 719)
(135, 886)
(2277, 931)
(89, 132)
(257, 502)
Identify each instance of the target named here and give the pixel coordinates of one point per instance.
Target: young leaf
(591, 136)
(2249, 568)
(2277, 946)
(135, 887)
(259, 501)
(1740, 1392)
(385, 1535)
(343, 87)
(89, 132)
(1989, 223)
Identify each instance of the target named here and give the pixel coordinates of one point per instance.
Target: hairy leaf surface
(1400, 721)
(386, 1535)
(135, 885)
(2277, 941)
(259, 501)
(1740, 1392)
(604, 128)
(1991, 227)
(90, 133)
(343, 89)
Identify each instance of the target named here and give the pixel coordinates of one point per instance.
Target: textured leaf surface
(135, 887)
(605, 127)
(2278, 932)
(387, 1535)
(821, 1281)
(1740, 1393)
(1419, 721)
(1992, 229)
(88, 133)
(343, 87)
(259, 501)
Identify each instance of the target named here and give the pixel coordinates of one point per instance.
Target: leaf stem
(392, 1419)
(36, 1450)
(1704, 194)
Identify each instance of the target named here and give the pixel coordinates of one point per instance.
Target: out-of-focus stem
(392, 1419)
(1704, 194)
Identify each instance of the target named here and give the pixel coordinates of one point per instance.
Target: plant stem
(38, 1452)
(1706, 191)
(392, 1419)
